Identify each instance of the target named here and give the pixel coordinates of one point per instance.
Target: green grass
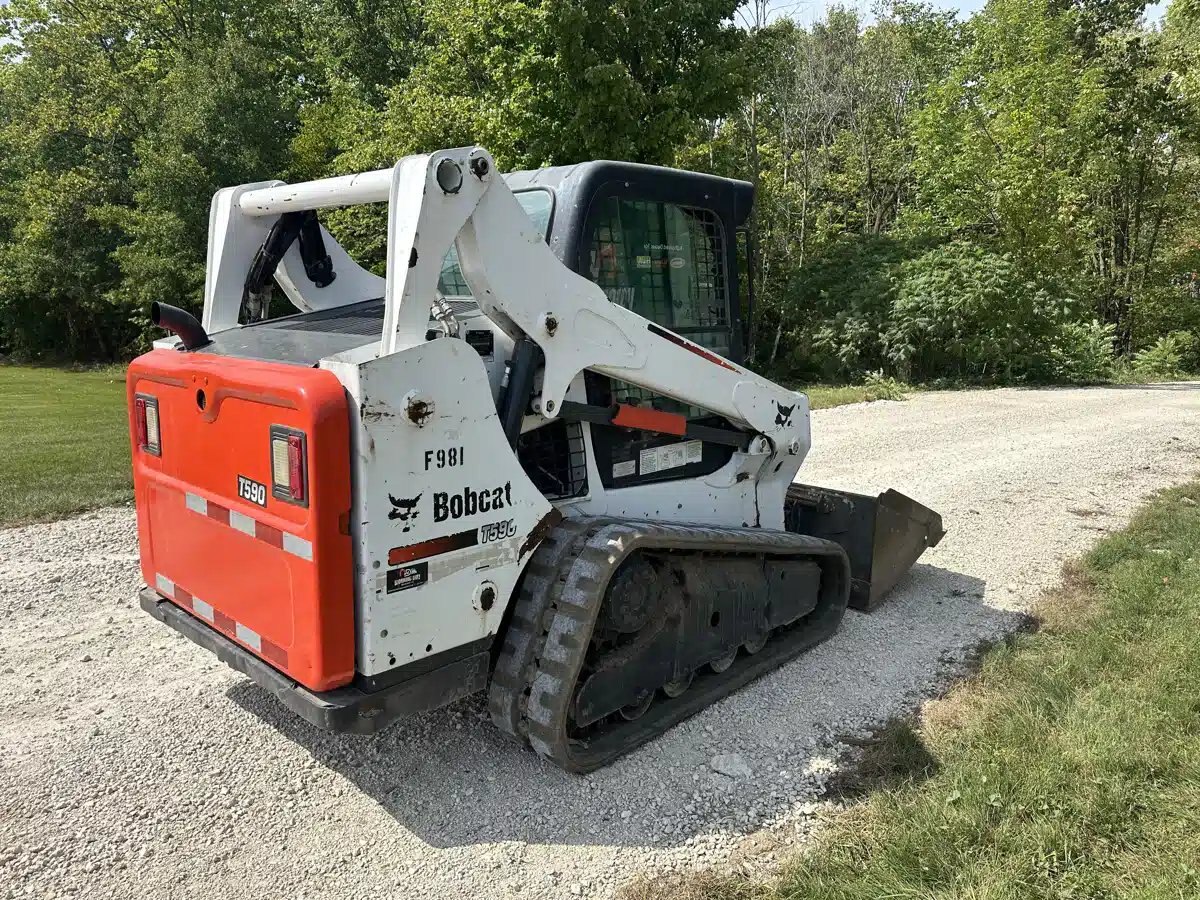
(1069, 767)
(66, 447)
(823, 396)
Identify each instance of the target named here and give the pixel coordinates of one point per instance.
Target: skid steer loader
(528, 460)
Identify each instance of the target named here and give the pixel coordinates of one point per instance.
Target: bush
(1082, 352)
(884, 387)
(964, 311)
(1165, 359)
(838, 307)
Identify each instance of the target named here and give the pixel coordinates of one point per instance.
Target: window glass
(664, 262)
(538, 205)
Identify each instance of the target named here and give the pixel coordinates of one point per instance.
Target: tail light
(145, 417)
(289, 465)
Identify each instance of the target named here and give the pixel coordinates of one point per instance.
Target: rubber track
(526, 633)
(534, 683)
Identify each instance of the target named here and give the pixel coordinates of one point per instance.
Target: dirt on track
(133, 764)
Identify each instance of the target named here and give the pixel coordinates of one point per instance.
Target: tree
(550, 81)
(904, 167)
(1132, 179)
(121, 123)
(68, 131)
(544, 82)
(828, 141)
(999, 143)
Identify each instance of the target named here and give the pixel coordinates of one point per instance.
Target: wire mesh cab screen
(665, 262)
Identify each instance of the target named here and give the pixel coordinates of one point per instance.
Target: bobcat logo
(405, 510)
(784, 415)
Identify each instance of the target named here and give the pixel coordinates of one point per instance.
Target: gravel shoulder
(132, 764)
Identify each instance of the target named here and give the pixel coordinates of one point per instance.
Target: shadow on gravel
(452, 779)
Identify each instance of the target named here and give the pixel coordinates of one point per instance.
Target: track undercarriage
(624, 628)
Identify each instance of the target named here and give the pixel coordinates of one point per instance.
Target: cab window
(665, 262)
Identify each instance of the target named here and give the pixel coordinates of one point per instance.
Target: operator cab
(662, 243)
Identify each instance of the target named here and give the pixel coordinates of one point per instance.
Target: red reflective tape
(269, 651)
(647, 418)
(693, 348)
(223, 622)
(218, 513)
(273, 654)
(264, 532)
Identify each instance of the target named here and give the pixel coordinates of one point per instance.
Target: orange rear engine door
(243, 504)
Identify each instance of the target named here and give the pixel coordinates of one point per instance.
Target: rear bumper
(347, 709)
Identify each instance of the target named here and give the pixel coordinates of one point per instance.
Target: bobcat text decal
(470, 502)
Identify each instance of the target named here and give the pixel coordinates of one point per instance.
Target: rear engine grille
(364, 319)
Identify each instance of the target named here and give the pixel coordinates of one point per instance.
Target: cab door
(672, 261)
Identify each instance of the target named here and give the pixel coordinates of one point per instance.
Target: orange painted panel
(278, 575)
(649, 419)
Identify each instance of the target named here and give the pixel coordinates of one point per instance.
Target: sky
(808, 11)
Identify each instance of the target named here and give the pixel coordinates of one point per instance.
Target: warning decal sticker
(672, 456)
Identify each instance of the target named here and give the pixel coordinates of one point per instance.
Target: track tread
(532, 691)
(523, 641)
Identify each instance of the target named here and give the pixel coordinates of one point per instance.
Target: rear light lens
(145, 417)
(296, 466)
(289, 465)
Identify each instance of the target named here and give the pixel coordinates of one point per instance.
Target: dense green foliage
(1007, 198)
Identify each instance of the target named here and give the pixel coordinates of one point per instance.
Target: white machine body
(444, 516)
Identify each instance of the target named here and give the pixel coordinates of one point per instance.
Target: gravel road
(134, 765)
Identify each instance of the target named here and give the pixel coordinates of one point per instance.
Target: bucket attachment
(883, 536)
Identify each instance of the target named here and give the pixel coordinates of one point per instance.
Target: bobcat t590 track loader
(529, 460)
